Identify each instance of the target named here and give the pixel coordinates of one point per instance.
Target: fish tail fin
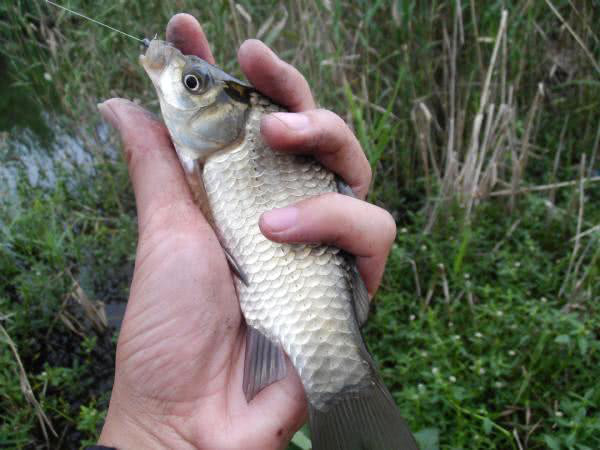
(368, 420)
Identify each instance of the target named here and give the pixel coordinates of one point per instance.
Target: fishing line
(143, 41)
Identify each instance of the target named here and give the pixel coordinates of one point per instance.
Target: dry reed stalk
(594, 151)
(543, 187)
(416, 275)
(236, 23)
(27, 390)
(520, 160)
(575, 36)
(467, 174)
(578, 232)
(421, 118)
(586, 232)
(561, 145)
(476, 33)
(445, 287)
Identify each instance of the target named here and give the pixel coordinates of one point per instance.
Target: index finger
(186, 33)
(274, 77)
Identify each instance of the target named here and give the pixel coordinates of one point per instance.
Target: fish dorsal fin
(360, 295)
(264, 363)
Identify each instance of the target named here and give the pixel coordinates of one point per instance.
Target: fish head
(204, 108)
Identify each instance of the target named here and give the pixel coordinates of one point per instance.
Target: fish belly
(297, 295)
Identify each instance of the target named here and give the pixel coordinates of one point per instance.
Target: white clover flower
(499, 384)
(47, 76)
(481, 371)
(452, 379)
(456, 337)
(403, 230)
(499, 313)
(559, 414)
(517, 264)
(421, 386)
(423, 248)
(467, 276)
(543, 299)
(512, 352)
(412, 317)
(478, 335)
(435, 370)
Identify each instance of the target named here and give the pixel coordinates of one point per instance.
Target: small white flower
(481, 371)
(456, 337)
(517, 264)
(559, 414)
(421, 386)
(423, 248)
(452, 379)
(499, 384)
(424, 354)
(478, 335)
(450, 324)
(435, 370)
(467, 276)
(543, 299)
(412, 317)
(512, 352)
(499, 313)
(403, 230)
(47, 76)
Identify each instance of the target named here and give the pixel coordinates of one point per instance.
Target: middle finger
(324, 135)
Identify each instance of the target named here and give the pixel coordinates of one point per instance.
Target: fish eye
(191, 82)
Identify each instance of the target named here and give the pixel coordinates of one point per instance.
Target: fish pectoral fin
(264, 363)
(360, 296)
(235, 267)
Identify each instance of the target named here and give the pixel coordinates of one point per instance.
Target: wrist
(130, 427)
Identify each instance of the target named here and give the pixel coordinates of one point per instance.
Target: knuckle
(388, 228)
(367, 174)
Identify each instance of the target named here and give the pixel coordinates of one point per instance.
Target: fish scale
(297, 295)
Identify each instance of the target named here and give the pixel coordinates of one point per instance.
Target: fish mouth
(157, 57)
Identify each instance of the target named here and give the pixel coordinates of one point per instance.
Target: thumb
(156, 175)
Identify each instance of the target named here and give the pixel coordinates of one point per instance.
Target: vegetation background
(481, 121)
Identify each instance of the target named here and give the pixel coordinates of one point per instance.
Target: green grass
(486, 328)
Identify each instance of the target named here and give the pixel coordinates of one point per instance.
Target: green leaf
(551, 442)
(487, 425)
(582, 343)
(301, 441)
(428, 438)
(563, 339)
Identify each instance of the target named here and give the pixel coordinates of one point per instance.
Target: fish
(305, 302)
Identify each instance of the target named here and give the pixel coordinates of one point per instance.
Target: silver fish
(306, 301)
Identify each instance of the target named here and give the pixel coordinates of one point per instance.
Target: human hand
(180, 354)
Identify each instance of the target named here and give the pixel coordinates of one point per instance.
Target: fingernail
(294, 121)
(278, 220)
(108, 114)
